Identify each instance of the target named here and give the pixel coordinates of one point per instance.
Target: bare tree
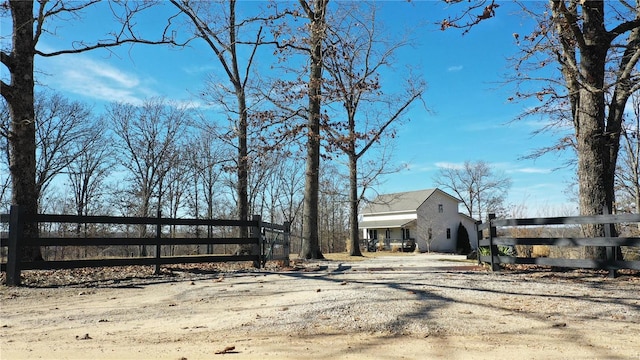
(591, 49)
(262, 170)
(481, 190)
(429, 230)
(29, 24)
(290, 179)
(148, 139)
(207, 158)
(89, 168)
(580, 63)
(316, 13)
(61, 127)
(333, 212)
(587, 39)
(628, 172)
(215, 22)
(280, 125)
(64, 132)
(358, 53)
(5, 178)
(175, 190)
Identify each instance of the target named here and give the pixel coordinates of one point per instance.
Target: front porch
(389, 244)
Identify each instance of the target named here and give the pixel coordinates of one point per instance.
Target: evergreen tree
(463, 246)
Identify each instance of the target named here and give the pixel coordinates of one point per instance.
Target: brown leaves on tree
(469, 17)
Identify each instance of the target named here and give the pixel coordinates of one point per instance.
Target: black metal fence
(489, 239)
(261, 246)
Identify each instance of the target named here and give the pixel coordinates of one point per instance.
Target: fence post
(158, 237)
(256, 232)
(611, 250)
(493, 249)
(286, 239)
(478, 238)
(16, 224)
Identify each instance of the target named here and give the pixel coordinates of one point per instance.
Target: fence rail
(492, 241)
(257, 238)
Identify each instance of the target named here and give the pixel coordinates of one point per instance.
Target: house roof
(404, 201)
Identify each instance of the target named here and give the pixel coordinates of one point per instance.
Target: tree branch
(125, 35)
(571, 21)
(488, 12)
(624, 27)
(251, 57)
(388, 122)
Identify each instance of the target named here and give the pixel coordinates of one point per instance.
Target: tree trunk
(310, 242)
(595, 196)
(242, 171)
(22, 140)
(596, 164)
(354, 231)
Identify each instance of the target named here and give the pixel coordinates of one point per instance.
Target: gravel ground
(411, 306)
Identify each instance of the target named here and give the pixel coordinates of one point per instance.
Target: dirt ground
(418, 306)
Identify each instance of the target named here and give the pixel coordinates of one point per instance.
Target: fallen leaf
(226, 350)
(85, 337)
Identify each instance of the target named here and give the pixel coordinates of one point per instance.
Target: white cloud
(455, 68)
(110, 74)
(99, 80)
(448, 165)
(191, 104)
(197, 70)
(532, 171)
(417, 168)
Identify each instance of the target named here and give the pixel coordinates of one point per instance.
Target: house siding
(430, 217)
(470, 225)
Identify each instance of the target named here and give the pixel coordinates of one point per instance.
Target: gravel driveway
(413, 306)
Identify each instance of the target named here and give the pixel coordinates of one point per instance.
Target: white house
(428, 217)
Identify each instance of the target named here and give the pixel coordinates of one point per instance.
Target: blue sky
(471, 117)
(468, 117)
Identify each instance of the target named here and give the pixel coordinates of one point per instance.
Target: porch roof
(377, 224)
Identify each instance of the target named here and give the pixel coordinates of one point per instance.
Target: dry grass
(540, 251)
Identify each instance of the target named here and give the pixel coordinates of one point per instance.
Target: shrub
(463, 246)
(502, 251)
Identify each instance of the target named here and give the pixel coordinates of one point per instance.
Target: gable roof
(403, 201)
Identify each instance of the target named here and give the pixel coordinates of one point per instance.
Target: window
(440, 208)
(430, 234)
(373, 234)
(448, 233)
(405, 234)
(387, 234)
